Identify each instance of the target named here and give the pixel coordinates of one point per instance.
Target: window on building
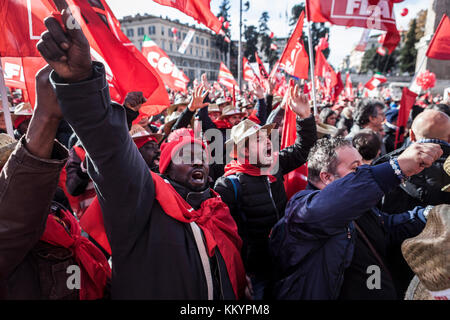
(202, 41)
(191, 50)
(140, 31)
(170, 33)
(207, 42)
(202, 53)
(196, 52)
(196, 40)
(162, 31)
(207, 54)
(130, 32)
(171, 46)
(151, 30)
(184, 35)
(163, 45)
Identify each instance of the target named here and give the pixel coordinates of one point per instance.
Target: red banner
(439, 47)
(262, 69)
(406, 104)
(173, 77)
(294, 59)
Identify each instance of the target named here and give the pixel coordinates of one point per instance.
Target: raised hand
(298, 102)
(271, 83)
(66, 50)
(418, 156)
(46, 104)
(134, 100)
(257, 89)
(198, 98)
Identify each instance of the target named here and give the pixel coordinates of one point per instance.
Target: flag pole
(311, 60)
(240, 46)
(4, 95)
(417, 73)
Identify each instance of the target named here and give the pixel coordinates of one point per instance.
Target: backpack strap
(237, 194)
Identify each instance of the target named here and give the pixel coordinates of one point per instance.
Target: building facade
(201, 56)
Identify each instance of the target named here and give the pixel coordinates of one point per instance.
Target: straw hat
(276, 100)
(324, 129)
(213, 108)
(447, 170)
(245, 103)
(179, 101)
(244, 130)
(23, 109)
(230, 111)
(221, 100)
(7, 146)
(170, 121)
(428, 254)
(139, 132)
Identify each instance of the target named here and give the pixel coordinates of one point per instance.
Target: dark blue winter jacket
(313, 243)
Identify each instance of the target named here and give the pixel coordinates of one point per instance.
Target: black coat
(153, 255)
(260, 206)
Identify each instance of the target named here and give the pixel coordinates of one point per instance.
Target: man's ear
(326, 178)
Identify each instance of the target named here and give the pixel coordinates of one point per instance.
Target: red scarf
(94, 267)
(236, 167)
(213, 218)
(222, 124)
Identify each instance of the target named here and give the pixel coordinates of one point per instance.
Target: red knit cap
(169, 149)
(141, 141)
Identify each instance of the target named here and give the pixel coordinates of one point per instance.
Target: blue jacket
(313, 243)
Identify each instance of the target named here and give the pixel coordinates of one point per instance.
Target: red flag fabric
(323, 69)
(338, 88)
(21, 72)
(372, 14)
(21, 25)
(361, 46)
(262, 69)
(406, 103)
(226, 78)
(349, 87)
(295, 180)
(200, 10)
(126, 68)
(249, 74)
(173, 77)
(375, 81)
(294, 59)
(381, 51)
(439, 47)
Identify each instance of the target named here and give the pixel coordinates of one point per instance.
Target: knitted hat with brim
(7, 146)
(428, 254)
(170, 149)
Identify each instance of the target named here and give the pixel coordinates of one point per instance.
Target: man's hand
(257, 89)
(298, 102)
(66, 51)
(271, 83)
(197, 99)
(134, 100)
(46, 104)
(418, 156)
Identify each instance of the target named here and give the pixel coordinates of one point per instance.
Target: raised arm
(115, 165)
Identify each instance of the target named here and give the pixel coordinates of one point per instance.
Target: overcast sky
(341, 40)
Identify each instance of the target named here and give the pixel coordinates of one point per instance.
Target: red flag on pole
(338, 88)
(262, 69)
(294, 59)
(295, 180)
(249, 74)
(173, 77)
(126, 68)
(369, 14)
(21, 25)
(200, 10)
(439, 47)
(349, 88)
(226, 78)
(375, 81)
(406, 103)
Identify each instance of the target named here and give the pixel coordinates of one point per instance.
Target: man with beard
(170, 237)
(256, 195)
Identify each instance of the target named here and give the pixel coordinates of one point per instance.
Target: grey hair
(323, 157)
(365, 109)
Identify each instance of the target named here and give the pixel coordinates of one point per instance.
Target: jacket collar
(194, 199)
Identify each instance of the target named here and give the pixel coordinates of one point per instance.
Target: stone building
(201, 56)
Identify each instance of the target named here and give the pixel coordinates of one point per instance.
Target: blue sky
(342, 40)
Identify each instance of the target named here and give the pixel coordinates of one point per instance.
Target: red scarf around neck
(222, 124)
(213, 217)
(94, 267)
(236, 167)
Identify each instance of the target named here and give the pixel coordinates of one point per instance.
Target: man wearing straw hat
(255, 192)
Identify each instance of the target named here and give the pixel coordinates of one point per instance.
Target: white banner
(186, 41)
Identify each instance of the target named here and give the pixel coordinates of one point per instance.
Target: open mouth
(198, 176)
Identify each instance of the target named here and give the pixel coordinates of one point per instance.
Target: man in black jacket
(154, 254)
(257, 201)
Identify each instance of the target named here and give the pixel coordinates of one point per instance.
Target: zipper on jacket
(220, 277)
(271, 198)
(341, 269)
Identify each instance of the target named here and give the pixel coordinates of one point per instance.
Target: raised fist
(418, 156)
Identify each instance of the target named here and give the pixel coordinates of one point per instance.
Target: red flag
(226, 78)
(349, 88)
(21, 72)
(381, 51)
(295, 180)
(338, 88)
(363, 41)
(200, 10)
(369, 14)
(173, 77)
(439, 47)
(21, 25)
(262, 69)
(294, 59)
(323, 69)
(126, 68)
(249, 74)
(273, 46)
(406, 103)
(375, 81)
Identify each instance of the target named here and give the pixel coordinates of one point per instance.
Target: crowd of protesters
(191, 203)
